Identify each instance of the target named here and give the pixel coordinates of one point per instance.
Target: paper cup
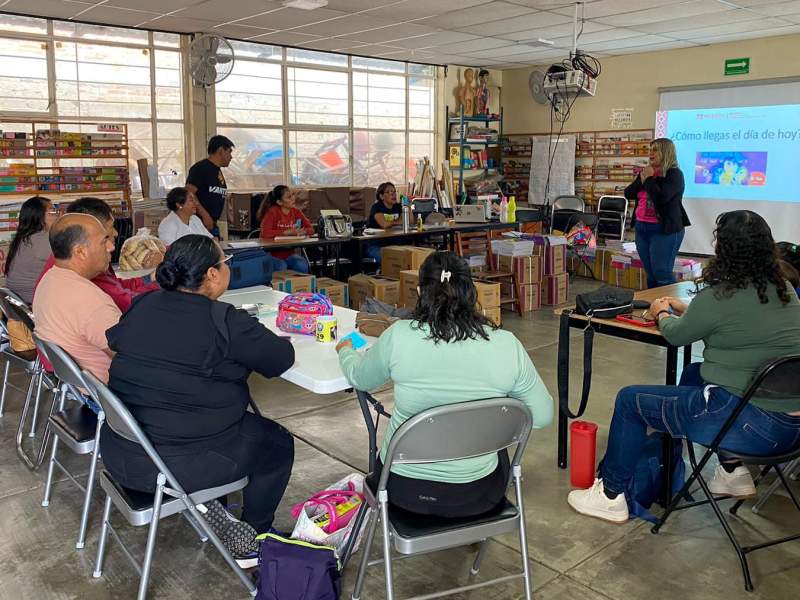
(326, 329)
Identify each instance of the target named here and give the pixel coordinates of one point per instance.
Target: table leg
(359, 267)
(687, 355)
(666, 439)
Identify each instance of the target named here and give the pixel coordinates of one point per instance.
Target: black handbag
(606, 302)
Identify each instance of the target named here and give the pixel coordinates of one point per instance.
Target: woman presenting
(660, 218)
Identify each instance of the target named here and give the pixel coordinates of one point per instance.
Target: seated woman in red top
(279, 217)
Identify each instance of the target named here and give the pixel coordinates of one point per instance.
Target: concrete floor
(573, 557)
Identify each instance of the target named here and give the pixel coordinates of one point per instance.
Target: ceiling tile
(476, 45)
(345, 25)
(549, 33)
(288, 38)
(491, 11)
(394, 32)
(418, 9)
(331, 44)
(286, 18)
(537, 20)
(616, 33)
(433, 40)
(46, 8)
(740, 27)
(732, 37)
(604, 8)
(180, 24)
(777, 9)
(510, 50)
(357, 5)
(682, 23)
(664, 11)
(633, 42)
(239, 32)
(117, 16)
(225, 12)
(159, 6)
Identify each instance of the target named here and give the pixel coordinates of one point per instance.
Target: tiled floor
(573, 557)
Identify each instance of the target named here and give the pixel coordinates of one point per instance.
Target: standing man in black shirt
(207, 182)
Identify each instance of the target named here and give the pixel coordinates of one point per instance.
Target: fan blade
(223, 58)
(214, 45)
(209, 75)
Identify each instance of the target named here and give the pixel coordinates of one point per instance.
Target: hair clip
(445, 276)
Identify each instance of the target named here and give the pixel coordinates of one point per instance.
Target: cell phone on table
(637, 320)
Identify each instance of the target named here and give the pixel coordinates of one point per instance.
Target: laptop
(469, 213)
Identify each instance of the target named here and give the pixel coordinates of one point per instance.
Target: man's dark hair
(92, 206)
(64, 239)
(217, 142)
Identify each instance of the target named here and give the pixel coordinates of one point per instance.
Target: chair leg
(372, 527)
(786, 485)
(101, 546)
(351, 542)
(685, 489)
(39, 378)
(50, 469)
(196, 526)
(733, 509)
(21, 427)
(476, 565)
(387, 546)
(151, 538)
(5, 387)
(87, 497)
(523, 533)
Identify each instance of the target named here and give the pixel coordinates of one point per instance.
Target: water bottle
(406, 218)
(582, 446)
(504, 210)
(512, 209)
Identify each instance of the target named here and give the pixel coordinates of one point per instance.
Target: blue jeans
(692, 411)
(374, 251)
(657, 251)
(295, 262)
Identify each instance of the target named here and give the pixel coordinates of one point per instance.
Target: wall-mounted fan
(210, 59)
(536, 86)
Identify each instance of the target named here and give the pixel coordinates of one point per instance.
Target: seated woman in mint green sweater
(447, 353)
(747, 315)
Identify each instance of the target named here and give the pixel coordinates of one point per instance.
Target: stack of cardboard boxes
(489, 300)
(293, 282)
(624, 268)
(555, 280)
(529, 273)
(398, 281)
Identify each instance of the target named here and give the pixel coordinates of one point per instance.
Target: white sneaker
(738, 484)
(594, 503)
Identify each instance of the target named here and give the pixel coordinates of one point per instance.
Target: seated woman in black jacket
(181, 368)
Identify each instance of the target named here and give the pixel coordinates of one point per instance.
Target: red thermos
(583, 438)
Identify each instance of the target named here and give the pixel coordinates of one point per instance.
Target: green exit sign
(737, 66)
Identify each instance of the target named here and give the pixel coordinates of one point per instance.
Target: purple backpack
(296, 570)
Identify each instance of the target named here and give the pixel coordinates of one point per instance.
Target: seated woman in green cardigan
(447, 353)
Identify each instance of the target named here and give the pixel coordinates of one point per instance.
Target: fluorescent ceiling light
(305, 4)
(540, 42)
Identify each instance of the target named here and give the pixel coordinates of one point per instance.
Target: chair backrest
(462, 430)
(589, 219)
(471, 243)
(14, 308)
(121, 421)
(777, 380)
(64, 366)
(568, 203)
(612, 204)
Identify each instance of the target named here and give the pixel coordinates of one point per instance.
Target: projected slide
(744, 153)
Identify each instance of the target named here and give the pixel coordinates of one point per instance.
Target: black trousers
(447, 500)
(260, 449)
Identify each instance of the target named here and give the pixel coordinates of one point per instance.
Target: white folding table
(316, 365)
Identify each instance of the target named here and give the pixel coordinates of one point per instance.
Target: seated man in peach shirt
(69, 309)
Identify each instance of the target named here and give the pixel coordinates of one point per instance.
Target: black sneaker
(231, 531)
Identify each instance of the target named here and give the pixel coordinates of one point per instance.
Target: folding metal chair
(441, 434)
(612, 212)
(26, 360)
(77, 426)
(140, 508)
(16, 309)
(792, 471)
(778, 379)
(563, 209)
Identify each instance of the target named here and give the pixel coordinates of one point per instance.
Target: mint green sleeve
(369, 370)
(530, 389)
(697, 323)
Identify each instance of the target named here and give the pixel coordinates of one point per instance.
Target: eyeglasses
(227, 258)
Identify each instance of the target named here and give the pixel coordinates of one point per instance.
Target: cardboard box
(493, 314)
(553, 250)
(582, 266)
(336, 291)
(528, 269)
(530, 296)
(241, 211)
(409, 280)
(488, 294)
(4, 246)
(555, 289)
(150, 218)
(602, 264)
(402, 258)
(381, 288)
(292, 281)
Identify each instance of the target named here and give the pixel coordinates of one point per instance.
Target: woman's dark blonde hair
(669, 158)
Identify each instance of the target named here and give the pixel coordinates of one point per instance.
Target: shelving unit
(605, 161)
(516, 161)
(489, 157)
(62, 159)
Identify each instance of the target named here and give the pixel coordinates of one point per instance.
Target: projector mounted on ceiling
(569, 83)
(305, 4)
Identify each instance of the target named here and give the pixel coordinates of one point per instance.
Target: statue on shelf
(466, 93)
(483, 92)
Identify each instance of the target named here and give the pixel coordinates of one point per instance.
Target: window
(102, 74)
(314, 118)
